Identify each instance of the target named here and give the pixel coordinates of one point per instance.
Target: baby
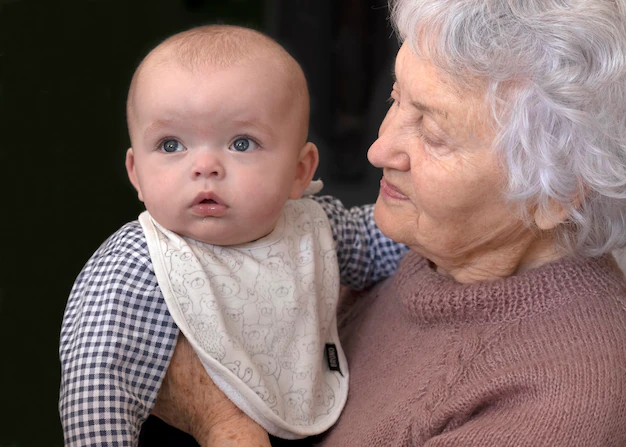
(228, 251)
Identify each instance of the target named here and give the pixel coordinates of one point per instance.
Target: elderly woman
(504, 169)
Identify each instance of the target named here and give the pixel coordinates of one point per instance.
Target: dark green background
(65, 68)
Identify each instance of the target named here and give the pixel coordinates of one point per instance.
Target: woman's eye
(243, 144)
(428, 141)
(394, 97)
(172, 146)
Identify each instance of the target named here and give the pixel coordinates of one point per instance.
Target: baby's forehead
(242, 92)
(271, 71)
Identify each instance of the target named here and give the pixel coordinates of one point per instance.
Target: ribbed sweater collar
(432, 298)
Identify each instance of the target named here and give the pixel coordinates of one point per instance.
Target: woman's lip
(388, 190)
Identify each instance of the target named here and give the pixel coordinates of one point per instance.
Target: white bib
(261, 317)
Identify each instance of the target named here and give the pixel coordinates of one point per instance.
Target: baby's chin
(223, 239)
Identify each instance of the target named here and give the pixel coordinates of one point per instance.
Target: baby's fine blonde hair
(223, 46)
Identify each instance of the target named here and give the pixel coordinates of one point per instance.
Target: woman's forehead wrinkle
(452, 91)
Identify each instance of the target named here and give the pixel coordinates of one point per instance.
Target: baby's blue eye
(172, 146)
(243, 144)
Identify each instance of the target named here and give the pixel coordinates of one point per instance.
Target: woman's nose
(207, 164)
(389, 149)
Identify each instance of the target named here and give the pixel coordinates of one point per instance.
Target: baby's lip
(207, 204)
(207, 197)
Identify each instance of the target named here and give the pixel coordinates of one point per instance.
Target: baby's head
(218, 122)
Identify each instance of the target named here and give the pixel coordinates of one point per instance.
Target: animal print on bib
(259, 316)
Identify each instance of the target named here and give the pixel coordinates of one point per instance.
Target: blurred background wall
(65, 66)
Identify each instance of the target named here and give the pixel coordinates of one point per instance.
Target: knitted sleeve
(573, 399)
(531, 425)
(117, 338)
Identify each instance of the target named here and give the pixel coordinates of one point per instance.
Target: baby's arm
(365, 255)
(117, 339)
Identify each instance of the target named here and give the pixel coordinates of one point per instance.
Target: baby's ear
(130, 170)
(308, 160)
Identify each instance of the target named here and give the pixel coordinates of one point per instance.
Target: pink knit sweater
(537, 359)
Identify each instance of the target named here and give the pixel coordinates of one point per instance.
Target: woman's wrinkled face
(442, 186)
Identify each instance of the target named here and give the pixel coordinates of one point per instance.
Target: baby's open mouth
(208, 199)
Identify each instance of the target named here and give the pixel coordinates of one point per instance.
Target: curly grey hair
(555, 79)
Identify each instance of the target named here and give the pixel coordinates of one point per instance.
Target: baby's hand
(190, 401)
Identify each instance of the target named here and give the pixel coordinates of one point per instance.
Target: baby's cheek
(271, 204)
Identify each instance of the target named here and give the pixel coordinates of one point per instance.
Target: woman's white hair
(554, 72)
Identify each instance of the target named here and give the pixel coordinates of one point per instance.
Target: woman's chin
(388, 221)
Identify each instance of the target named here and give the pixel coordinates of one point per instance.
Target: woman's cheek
(440, 152)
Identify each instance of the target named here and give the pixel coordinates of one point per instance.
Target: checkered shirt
(118, 337)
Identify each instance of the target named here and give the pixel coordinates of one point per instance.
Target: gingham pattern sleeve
(364, 253)
(117, 339)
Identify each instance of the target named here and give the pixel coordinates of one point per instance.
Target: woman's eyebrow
(430, 110)
(418, 104)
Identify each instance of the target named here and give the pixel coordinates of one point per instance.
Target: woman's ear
(548, 220)
(130, 170)
(555, 214)
(308, 159)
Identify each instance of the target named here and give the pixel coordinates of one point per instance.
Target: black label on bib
(333, 358)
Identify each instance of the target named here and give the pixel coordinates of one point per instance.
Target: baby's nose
(207, 165)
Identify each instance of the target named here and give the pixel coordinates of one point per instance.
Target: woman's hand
(191, 402)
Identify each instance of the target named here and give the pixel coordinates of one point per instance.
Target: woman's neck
(509, 259)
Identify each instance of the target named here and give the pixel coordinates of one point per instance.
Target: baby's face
(215, 153)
